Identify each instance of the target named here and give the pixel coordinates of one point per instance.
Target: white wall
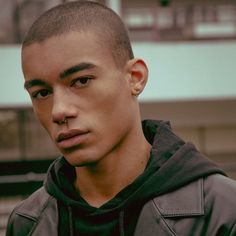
(178, 71)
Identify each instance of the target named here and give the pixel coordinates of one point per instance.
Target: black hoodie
(172, 164)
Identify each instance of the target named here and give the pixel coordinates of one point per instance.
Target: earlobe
(139, 75)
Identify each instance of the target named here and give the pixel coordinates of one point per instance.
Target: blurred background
(190, 49)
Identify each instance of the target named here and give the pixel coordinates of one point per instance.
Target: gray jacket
(206, 207)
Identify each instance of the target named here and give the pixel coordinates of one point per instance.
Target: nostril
(62, 122)
(59, 119)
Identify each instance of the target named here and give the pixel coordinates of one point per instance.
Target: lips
(71, 138)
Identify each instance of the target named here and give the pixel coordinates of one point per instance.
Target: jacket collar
(185, 201)
(41, 210)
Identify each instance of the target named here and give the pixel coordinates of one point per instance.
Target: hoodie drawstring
(71, 227)
(121, 223)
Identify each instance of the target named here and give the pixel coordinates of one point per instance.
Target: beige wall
(210, 125)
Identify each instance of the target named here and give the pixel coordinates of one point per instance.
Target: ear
(138, 72)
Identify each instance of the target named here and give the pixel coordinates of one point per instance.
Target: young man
(118, 175)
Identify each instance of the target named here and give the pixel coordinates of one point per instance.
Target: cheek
(43, 115)
(112, 105)
(107, 99)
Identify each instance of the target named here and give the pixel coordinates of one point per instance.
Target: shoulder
(205, 193)
(205, 196)
(34, 204)
(219, 195)
(220, 185)
(206, 205)
(28, 212)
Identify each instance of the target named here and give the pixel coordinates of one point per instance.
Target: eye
(40, 94)
(81, 82)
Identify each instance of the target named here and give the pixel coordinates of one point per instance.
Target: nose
(63, 108)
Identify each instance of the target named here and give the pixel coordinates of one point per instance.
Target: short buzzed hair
(83, 16)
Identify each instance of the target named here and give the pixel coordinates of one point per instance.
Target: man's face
(73, 77)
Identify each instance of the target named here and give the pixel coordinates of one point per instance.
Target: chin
(85, 164)
(77, 159)
(80, 163)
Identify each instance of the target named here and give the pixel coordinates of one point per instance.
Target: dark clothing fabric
(180, 162)
(88, 220)
(177, 178)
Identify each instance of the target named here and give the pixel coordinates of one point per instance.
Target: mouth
(71, 138)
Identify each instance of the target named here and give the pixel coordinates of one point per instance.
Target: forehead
(60, 52)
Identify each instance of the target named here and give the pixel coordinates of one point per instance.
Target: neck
(100, 182)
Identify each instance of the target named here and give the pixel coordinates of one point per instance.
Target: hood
(173, 163)
(178, 162)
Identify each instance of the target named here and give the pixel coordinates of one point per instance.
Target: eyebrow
(34, 82)
(76, 68)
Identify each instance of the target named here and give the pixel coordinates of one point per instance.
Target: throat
(101, 182)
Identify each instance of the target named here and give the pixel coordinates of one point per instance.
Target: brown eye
(81, 82)
(84, 80)
(40, 94)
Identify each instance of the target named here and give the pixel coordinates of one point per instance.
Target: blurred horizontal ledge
(192, 113)
(29, 177)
